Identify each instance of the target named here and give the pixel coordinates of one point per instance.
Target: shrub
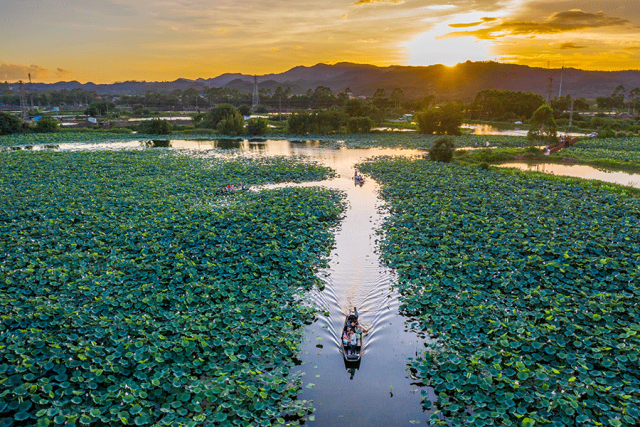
(46, 124)
(442, 149)
(257, 126)
(155, 127)
(359, 124)
(9, 123)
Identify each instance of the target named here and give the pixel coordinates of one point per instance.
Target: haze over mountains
(462, 81)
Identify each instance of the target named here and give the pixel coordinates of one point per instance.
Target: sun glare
(433, 48)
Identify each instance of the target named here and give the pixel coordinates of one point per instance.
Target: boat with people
(563, 142)
(352, 338)
(359, 179)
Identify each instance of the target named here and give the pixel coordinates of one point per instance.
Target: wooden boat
(359, 181)
(564, 143)
(350, 354)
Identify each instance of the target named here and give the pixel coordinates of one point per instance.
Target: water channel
(579, 171)
(520, 130)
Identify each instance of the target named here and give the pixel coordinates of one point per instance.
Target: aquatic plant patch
(624, 150)
(529, 286)
(131, 295)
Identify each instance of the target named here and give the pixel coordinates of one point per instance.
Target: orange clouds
(558, 22)
(21, 72)
(360, 2)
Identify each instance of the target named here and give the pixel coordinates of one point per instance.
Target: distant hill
(462, 81)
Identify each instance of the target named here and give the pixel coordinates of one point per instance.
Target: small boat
(351, 354)
(359, 180)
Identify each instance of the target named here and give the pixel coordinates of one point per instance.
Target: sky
(105, 41)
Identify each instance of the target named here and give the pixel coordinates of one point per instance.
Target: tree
(427, 101)
(244, 110)
(46, 124)
(634, 99)
(396, 96)
(495, 104)
(191, 96)
(450, 119)
(221, 112)
(299, 123)
(446, 119)
(257, 126)
(100, 108)
(9, 123)
(428, 121)
(580, 105)
(380, 98)
(442, 149)
(232, 124)
(356, 108)
(617, 97)
(323, 97)
(542, 126)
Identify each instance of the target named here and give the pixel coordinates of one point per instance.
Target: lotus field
(625, 150)
(529, 287)
(131, 295)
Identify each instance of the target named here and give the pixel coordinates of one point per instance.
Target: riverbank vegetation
(132, 294)
(527, 288)
(610, 153)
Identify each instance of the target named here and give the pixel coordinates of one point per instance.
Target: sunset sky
(115, 40)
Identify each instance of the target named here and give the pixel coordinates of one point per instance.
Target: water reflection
(481, 129)
(579, 171)
(379, 390)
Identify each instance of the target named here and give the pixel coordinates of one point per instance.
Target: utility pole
(23, 102)
(30, 91)
(571, 114)
(256, 96)
(561, 72)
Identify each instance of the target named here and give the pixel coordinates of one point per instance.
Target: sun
(433, 47)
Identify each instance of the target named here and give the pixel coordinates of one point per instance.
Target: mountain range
(462, 81)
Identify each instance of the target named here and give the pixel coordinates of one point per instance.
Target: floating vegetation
(530, 287)
(131, 295)
(623, 150)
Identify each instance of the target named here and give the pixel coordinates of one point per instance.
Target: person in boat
(352, 319)
(358, 332)
(355, 312)
(353, 340)
(242, 186)
(346, 339)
